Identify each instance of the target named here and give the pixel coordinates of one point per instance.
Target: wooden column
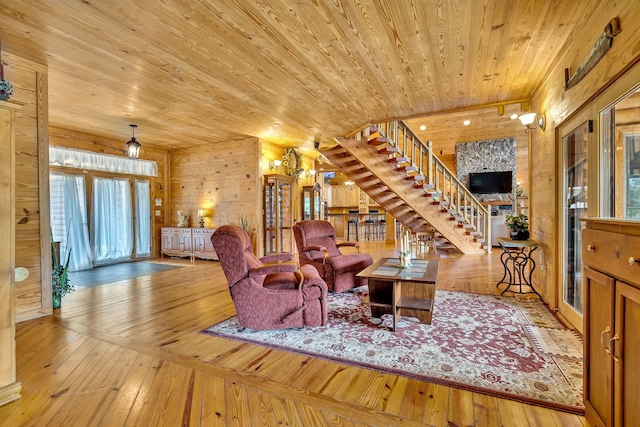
(9, 386)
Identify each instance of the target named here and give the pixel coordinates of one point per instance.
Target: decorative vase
(405, 259)
(519, 234)
(57, 300)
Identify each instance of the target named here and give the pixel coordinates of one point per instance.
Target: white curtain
(112, 228)
(143, 218)
(69, 220)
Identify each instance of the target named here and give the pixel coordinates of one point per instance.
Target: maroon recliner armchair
(269, 296)
(317, 246)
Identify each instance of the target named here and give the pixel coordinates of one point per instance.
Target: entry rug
(476, 342)
(557, 342)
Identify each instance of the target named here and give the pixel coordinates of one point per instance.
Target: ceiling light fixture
(423, 127)
(133, 146)
(466, 122)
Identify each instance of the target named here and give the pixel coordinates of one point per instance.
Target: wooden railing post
(430, 161)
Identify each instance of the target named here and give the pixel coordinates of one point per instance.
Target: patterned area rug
(476, 342)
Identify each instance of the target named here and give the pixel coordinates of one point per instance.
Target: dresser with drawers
(611, 277)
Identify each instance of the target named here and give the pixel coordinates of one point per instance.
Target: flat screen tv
(491, 182)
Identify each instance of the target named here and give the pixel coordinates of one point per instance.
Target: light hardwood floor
(130, 353)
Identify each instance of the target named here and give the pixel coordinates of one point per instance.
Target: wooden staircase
(401, 173)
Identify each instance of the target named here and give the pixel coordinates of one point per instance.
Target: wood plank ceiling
(199, 72)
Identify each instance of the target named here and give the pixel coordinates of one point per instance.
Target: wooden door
(598, 330)
(626, 342)
(9, 386)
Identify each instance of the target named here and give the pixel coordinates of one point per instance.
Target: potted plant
(518, 225)
(60, 285)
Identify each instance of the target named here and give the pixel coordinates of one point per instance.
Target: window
(620, 158)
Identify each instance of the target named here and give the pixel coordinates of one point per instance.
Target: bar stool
(371, 225)
(382, 226)
(353, 221)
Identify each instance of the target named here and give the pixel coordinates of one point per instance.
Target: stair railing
(436, 177)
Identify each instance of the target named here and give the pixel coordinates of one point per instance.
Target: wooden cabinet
(201, 243)
(278, 214)
(345, 196)
(311, 202)
(188, 242)
(611, 255)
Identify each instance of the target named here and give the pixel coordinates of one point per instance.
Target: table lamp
(202, 213)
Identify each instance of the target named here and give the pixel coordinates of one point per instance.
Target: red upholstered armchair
(317, 246)
(269, 296)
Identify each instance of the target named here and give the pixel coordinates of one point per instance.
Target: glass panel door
(269, 217)
(632, 178)
(278, 214)
(620, 158)
(112, 228)
(317, 204)
(285, 198)
(575, 148)
(306, 203)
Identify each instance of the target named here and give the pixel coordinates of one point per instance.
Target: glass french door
(120, 225)
(68, 210)
(575, 146)
(111, 224)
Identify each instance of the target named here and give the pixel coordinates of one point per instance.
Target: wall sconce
(533, 120)
(274, 164)
(202, 213)
(350, 184)
(310, 172)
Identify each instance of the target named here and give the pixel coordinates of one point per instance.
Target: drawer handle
(591, 248)
(633, 261)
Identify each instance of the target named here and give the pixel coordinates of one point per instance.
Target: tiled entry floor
(116, 272)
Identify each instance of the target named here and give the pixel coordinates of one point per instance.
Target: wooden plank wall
(24, 75)
(223, 178)
(159, 185)
(558, 105)
(227, 178)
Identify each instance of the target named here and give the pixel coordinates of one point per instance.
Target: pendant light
(133, 146)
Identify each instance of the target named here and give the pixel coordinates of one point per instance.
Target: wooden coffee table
(402, 292)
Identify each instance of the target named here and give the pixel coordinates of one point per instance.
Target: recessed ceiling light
(423, 127)
(466, 122)
(514, 116)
